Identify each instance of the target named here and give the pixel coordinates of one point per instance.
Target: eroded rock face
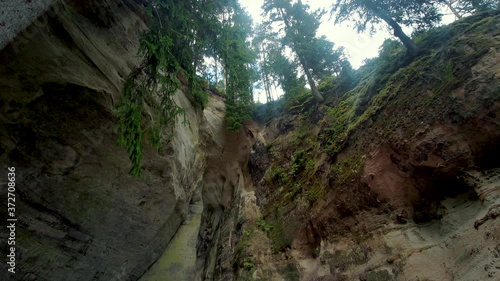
(424, 195)
(412, 193)
(81, 216)
(225, 188)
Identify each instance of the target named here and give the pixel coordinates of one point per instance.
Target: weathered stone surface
(81, 216)
(412, 192)
(16, 15)
(422, 200)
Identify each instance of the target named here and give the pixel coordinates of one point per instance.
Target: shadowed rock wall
(81, 216)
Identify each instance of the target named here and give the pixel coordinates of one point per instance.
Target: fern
(154, 80)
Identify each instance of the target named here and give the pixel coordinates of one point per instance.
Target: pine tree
(300, 27)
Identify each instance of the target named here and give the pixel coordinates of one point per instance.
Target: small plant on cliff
(264, 225)
(291, 273)
(448, 80)
(281, 240)
(244, 239)
(277, 174)
(248, 264)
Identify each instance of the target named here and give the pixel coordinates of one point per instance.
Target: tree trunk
(216, 73)
(409, 44)
(398, 31)
(265, 78)
(317, 95)
(267, 89)
(224, 79)
(449, 4)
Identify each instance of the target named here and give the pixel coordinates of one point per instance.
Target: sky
(358, 46)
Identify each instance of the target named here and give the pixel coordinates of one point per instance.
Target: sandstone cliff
(395, 180)
(81, 216)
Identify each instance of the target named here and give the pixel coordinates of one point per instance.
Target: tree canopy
(366, 14)
(182, 35)
(461, 8)
(238, 60)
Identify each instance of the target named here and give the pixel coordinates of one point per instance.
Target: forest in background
(213, 45)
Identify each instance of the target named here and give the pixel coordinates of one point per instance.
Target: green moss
(346, 170)
(310, 168)
(448, 80)
(301, 133)
(300, 102)
(292, 192)
(379, 275)
(298, 162)
(315, 192)
(327, 84)
(482, 26)
(336, 123)
(275, 226)
(276, 175)
(391, 74)
(343, 119)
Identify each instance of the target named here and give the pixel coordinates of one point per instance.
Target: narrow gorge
(393, 177)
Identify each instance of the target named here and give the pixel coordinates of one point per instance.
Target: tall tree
(276, 69)
(421, 14)
(238, 62)
(324, 60)
(267, 45)
(261, 44)
(284, 71)
(300, 27)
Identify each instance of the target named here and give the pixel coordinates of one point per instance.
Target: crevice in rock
(434, 186)
(488, 158)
